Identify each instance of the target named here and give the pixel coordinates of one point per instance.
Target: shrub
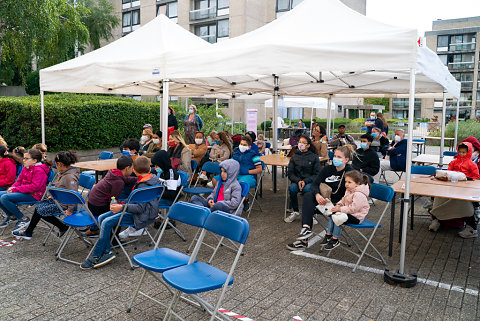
(466, 129)
(82, 122)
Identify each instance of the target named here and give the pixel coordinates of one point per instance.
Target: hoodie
(232, 190)
(69, 180)
(8, 172)
(476, 145)
(169, 176)
(356, 202)
(303, 166)
(32, 180)
(248, 160)
(465, 164)
(144, 213)
(367, 160)
(111, 185)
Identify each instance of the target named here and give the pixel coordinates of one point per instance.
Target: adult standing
(172, 119)
(193, 124)
(280, 125)
(342, 139)
(384, 123)
(329, 184)
(372, 122)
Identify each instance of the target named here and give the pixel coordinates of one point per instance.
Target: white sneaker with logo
(292, 217)
(127, 232)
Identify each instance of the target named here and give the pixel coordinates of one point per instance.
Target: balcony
(467, 85)
(209, 38)
(461, 65)
(466, 46)
(206, 13)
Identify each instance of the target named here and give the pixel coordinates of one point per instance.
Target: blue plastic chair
(268, 145)
(210, 168)
(160, 260)
(256, 187)
(140, 195)
(19, 170)
(449, 153)
(382, 193)
(331, 154)
(82, 217)
(424, 170)
(105, 155)
(198, 277)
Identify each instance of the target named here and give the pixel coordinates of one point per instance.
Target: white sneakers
(203, 177)
(130, 232)
(434, 226)
(292, 217)
(468, 233)
(210, 185)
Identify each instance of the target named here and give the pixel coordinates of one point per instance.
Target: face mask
(372, 117)
(190, 111)
(374, 135)
(144, 138)
(363, 145)
(156, 141)
(159, 171)
(302, 146)
(172, 143)
(218, 141)
(337, 162)
(198, 141)
(243, 149)
(126, 153)
(397, 138)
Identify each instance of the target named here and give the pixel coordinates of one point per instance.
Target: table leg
(392, 226)
(412, 210)
(274, 175)
(96, 177)
(401, 219)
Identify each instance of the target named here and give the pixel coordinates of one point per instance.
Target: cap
(342, 125)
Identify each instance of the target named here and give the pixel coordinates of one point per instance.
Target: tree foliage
(378, 101)
(100, 20)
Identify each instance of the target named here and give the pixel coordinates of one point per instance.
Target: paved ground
(271, 283)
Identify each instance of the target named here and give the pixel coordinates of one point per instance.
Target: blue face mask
(190, 111)
(159, 171)
(363, 145)
(337, 162)
(374, 135)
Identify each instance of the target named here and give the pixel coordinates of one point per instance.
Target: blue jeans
(218, 206)
(251, 180)
(107, 222)
(8, 202)
(294, 190)
(333, 228)
(2, 189)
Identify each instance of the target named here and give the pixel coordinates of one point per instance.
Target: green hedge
(83, 122)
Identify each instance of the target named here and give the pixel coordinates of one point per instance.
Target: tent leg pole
(42, 115)
(442, 140)
(275, 104)
(456, 123)
(329, 115)
(164, 113)
(233, 113)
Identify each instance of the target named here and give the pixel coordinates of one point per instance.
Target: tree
(378, 101)
(100, 20)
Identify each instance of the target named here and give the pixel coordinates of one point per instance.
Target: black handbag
(47, 207)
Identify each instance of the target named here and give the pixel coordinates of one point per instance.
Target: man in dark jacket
(342, 138)
(141, 215)
(397, 153)
(366, 159)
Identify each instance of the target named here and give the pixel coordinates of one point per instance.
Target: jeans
(8, 203)
(218, 206)
(294, 190)
(251, 180)
(335, 230)
(97, 211)
(107, 222)
(2, 189)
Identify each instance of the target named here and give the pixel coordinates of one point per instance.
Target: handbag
(325, 191)
(47, 207)
(175, 162)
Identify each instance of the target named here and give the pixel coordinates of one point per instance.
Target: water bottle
(113, 201)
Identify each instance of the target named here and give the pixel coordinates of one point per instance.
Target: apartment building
(454, 41)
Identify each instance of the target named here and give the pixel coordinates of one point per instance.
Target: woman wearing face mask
(380, 142)
(155, 145)
(221, 150)
(328, 184)
(199, 149)
(250, 164)
(180, 154)
(366, 159)
(193, 124)
(303, 167)
(146, 140)
(319, 141)
(167, 174)
(172, 119)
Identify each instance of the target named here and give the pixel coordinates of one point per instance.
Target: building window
(286, 5)
(214, 31)
(222, 4)
(208, 9)
(223, 28)
(442, 43)
(130, 20)
(169, 9)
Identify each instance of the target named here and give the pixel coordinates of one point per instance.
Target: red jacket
(465, 164)
(8, 172)
(476, 145)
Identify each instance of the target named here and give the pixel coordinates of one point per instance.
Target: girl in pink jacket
(352, 208)
(29, 187)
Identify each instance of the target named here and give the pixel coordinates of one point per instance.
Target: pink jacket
(32, 180)
(8, 172)
(356, 202)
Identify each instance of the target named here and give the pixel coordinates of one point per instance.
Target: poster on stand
(252, 120)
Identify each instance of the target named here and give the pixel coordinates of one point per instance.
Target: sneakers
(21, 224)
(434, 226)
(210, 184)
(139, 232)
(22, 235)
(7, 221)
(428, 203)
(105, 259)
(477, 213)
(89, 262)
(131, 231)
(202, 177)
(92, 233)
(333, 243)
(292, 217)
(246, 205)
(297, 245)
(305, 233)
(325, 240)
(468, 232)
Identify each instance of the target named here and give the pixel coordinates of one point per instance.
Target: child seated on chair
(352, 208)
(167, 174)
(250, 163)
(227, 195)
(141, 215)
(29, 187)
(110, 186)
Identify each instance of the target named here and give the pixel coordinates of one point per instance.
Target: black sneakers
(325, 240)
(297, 245)
(305, 233)
(333, 243)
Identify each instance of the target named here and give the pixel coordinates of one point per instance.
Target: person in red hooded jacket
(463, 161)
(8, 168)
(476, 149)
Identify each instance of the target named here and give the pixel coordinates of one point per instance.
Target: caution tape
(5, 244)
(297, 318)
(234, 315)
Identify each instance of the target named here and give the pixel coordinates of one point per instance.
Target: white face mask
(398, 138)
(198, 141)
(144, 138)
(243, 149)
(302, 146)
(156, 141)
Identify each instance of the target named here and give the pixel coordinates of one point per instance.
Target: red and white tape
(234, 315)
(297, 318)
(5, 244)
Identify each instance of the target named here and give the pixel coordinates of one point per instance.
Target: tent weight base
(404, 280)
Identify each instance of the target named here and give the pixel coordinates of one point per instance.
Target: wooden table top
(287, 147)
(432, 159)
(426, 186)
(98, 165)
(439, 138)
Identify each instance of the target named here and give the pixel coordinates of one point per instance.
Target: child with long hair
(352, 208)
(8, 168)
